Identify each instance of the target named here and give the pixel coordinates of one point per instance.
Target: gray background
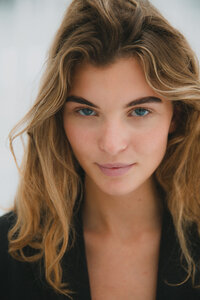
(26, 31)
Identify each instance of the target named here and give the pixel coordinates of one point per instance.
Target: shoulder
(170, 241)
(7, 221)
(19, 279)
(172, 264)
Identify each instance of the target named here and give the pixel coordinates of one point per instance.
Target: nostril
(112, 147)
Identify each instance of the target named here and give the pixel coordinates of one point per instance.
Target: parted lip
(116, 165)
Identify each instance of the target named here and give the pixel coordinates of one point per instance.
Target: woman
(108, 201)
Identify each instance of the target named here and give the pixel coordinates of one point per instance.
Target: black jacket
(19, 280)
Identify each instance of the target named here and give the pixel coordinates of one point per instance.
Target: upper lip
(116, 165)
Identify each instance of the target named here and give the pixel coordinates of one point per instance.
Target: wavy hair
(100, 32)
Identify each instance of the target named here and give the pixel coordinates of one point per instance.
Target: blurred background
(27, 28)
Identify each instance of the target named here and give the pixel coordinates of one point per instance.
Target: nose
(113, 138)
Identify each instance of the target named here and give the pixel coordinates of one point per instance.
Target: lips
(117, 165)
(115, 169)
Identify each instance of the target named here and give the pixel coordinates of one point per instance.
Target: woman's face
(117, 125)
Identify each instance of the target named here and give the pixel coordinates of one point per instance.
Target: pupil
(87, 111)
(140, 111)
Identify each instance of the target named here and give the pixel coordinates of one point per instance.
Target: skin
(122, 215)
(128, 206)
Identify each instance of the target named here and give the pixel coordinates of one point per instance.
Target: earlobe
(172, 126)
(175, 118)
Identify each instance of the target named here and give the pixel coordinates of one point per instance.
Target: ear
(172, 127)
(175, 119)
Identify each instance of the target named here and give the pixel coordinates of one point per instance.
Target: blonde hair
(51, 180)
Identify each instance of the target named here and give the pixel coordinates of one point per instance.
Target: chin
(118, 190)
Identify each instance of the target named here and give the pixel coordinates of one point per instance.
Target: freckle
(145, 273)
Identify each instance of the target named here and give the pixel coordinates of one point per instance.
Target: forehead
(123, 77)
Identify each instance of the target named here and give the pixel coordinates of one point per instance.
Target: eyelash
(77, 110)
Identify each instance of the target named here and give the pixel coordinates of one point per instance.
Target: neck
(122, 216)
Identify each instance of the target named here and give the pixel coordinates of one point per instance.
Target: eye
(85, 112)
(140, 112)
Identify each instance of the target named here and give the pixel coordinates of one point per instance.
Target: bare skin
(123, 260)
(122, 214)
(119, 270)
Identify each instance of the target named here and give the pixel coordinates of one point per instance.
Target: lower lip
(115, 171)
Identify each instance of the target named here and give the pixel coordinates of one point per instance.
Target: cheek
(152, 143)
(80, 139)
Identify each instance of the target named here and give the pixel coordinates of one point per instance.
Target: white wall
(26, 30)
(185, 16)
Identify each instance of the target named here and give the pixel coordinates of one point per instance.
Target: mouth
(115, 169)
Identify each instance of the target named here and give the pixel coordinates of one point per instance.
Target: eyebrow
(143, 100)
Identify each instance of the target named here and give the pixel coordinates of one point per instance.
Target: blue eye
(140, 112)
(86, 112)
